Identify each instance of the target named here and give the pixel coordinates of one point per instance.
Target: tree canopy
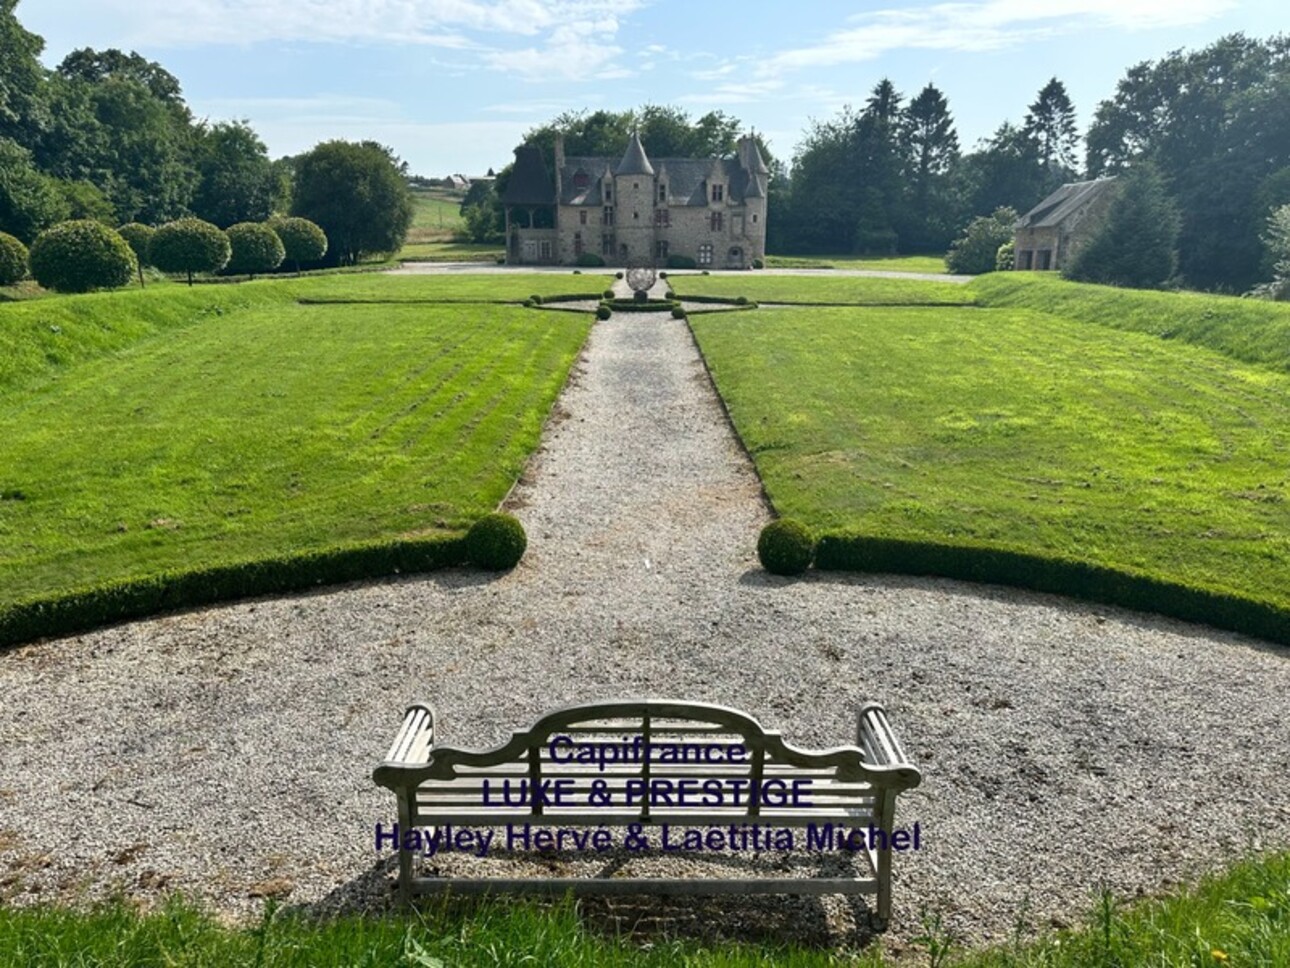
(355, 194)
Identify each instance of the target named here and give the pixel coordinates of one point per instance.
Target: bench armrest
(411, 747)
(882, 751)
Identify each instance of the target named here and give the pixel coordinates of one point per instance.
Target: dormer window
(718, 192)
(609, 192)
(581, 180)
(662, 192)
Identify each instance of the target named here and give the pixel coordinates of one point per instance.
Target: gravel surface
(227, 751)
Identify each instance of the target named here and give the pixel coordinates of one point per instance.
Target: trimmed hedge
(589, 259)
(13, 260)
(563, 297)
(137, 598)
(681, 262)
(641, 305)
(723, 300)
(844, 551)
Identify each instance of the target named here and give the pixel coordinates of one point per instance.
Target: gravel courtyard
(226, 752)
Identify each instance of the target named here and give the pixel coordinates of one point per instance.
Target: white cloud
(463, 24)
(989, 26)
(576, 50)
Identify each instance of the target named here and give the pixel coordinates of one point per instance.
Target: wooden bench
(608, 766)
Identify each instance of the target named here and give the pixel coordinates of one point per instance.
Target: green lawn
(451, 287)
(1252, 330)
(1011, 429)
(825, 289)
(890, 263)
(1239, 917)
(178, 429)
(444, 251)
(435, 212)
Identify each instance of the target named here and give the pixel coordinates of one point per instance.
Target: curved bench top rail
(666, 721)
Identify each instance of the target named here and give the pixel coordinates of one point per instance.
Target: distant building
(1050, 233)
(711, 210)
(457, 182)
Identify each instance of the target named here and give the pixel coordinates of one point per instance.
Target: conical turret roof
(635, 161)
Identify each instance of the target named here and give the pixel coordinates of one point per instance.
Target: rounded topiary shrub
(608, 294)
(13, 260)
(138, 237)
(604, 312)
(535, 300)
(253, 247)
(81, 256)
(302, 240)
(589, 259)
(618, 275)
(678, 312)
(758, 264)
(786, 547)
(189, 245)
(663, 275)
(496, 542)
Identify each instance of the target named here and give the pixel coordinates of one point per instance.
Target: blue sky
(452, 85)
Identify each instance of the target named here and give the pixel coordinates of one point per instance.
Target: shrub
(681, 262)
(589, 259)
(785, 547)
(663, 274)
(706, 272)
(535, 300)
(496, 542)
(254, 247)
(189, 245)
(577, 272)
(975, 251)
(81, 255)
(138, 238)
(678, 312)
(607, 294)
(603, 312)
(13, 260)
(758, 264)
(741, 301)
(618, 275)
(1006, 258)
(302, 240)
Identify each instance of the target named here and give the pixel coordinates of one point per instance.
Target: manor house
(711, 210)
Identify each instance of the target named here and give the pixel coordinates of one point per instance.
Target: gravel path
(227, 751)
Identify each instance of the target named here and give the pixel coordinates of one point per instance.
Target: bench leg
(886, 815)
(405, 855)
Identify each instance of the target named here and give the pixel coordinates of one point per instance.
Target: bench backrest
(651, 761)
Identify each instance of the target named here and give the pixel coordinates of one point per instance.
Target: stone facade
(1050, 234)
(711, 210)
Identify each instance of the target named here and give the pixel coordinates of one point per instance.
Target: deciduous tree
(356, 195)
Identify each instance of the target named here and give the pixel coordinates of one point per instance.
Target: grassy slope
(229, 423)
(1251, 330)
(47, 335)
(824, 289)
(1017, 430)
(1241, 917)
(892, 263)
(450, 252)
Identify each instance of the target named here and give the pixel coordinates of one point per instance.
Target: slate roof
(531, 183)
(634, 162)
(686, 179)
(1063, 203)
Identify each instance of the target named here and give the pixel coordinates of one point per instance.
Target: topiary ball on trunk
(81, 256)
(496, 542)
(786, 547)
(254, 247)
